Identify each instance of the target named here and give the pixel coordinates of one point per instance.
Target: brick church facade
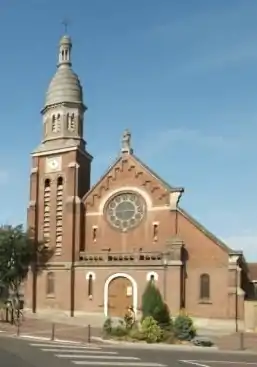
(127, 229)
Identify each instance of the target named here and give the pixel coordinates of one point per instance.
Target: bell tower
(63, 112)
(61, 165)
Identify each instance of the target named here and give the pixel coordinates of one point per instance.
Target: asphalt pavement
(35, 353)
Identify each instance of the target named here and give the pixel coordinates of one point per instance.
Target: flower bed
(181, 331)
(156, 325)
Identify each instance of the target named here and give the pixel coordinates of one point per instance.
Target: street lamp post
(164, 278)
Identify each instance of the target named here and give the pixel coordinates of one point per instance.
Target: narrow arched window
(47, 211)
(204, 286)
(50, 284)
(59, 181)
(59, 216)
(152, 277)
(54, 125)
(90, 286)
(47, 183)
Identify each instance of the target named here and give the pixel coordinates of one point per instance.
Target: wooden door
(120, 297)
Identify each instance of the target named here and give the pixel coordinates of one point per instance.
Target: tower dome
(65, 85)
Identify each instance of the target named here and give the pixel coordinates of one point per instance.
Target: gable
(130, 171)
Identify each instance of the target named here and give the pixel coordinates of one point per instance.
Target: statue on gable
(126, 142)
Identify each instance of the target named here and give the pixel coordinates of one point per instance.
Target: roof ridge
(205, 230)
(101, 178)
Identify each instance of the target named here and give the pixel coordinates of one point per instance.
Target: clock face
(53, 164)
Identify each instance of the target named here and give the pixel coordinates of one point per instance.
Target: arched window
(47, 210)
(90, 278)
(71, 122)
(204, 286)
(47, 183)
(59, 216)
(50, 284)
(59, 181)
(54, 124)
(90, 286)
(151, 276)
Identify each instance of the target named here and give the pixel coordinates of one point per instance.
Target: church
(111, 238)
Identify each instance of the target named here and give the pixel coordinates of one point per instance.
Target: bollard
(53, 332)
(18, 328)
(89, 333)
(241, 340)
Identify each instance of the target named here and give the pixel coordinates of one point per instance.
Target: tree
(18, 252)
(184, 327)
(153, 305)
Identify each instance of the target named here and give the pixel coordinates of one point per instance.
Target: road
(32, 353)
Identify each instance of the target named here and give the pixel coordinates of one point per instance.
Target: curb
(138, 345)
(171, 347)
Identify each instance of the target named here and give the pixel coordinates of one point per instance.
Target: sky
(180, 74)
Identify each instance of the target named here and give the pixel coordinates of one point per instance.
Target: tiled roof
(205, 231)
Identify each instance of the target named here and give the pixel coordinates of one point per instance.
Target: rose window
(125, 211)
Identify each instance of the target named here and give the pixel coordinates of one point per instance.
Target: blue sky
(181, 75)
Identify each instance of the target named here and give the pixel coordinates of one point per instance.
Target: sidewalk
(46, 329)
(237, 341)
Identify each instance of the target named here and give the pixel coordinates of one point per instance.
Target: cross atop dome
(65, 23)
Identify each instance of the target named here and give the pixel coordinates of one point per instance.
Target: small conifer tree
(153, 305)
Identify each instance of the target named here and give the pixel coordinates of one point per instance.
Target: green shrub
(184, 327)
(153, 305)
(162, 315)
(151, 330)
(151, 300)
(107, 326)
(119, 331)
(136, 334)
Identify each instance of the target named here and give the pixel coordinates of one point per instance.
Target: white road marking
(46, 339)
(45, 345)
(195, 363)
(201, 362)
(68, 350)
(132, 364)
(91, 355)
(77, 356)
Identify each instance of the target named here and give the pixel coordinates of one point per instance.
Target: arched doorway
(120, 296)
